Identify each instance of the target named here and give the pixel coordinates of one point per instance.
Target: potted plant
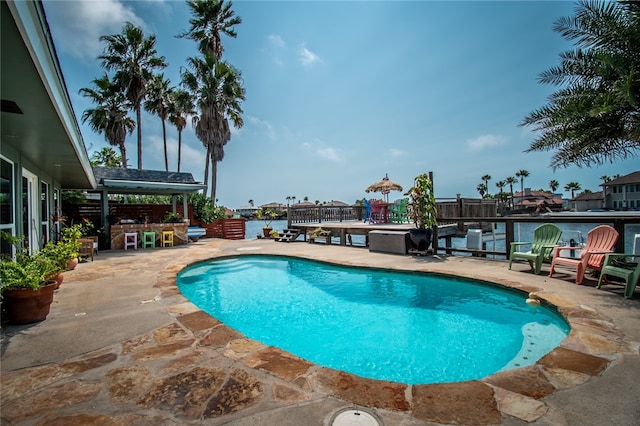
(267, 215)
(422, 210)
(320, 233)
(69, 246)
(26, 292)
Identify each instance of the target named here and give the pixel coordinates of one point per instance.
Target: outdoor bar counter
(118, 231)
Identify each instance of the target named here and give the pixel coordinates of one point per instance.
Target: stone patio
(188, 368)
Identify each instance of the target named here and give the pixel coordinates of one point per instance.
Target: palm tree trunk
(206, 169)
(179, 148)
(164, 138)
(214, 172)
(123, 154)
(139, 126)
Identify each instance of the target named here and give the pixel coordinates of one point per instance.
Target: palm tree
(181, 107)
(110, 114)
(522, 174)
(159, 100)
(209, 19)
(216, 84)
(251, 203)
(510, 181)
(482, 189)
(572, 186)
(486, 179)
(106, 157)
(553, 184)
(501, 184)
(593, 117)
(133, 57)
(218, 93)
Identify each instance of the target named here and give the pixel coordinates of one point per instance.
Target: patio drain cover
(352, 417)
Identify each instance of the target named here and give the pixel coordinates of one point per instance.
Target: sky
(341, 93)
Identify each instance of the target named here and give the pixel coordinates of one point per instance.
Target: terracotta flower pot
(71, 265)
(25, 306)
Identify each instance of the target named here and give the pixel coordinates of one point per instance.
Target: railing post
(508, 236)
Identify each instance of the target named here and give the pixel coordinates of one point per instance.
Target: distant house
(532, 200)
(247, 211)
(623, 193)
(276, 207)
(586, 201)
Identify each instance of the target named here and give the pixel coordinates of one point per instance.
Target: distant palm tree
(572, 186)
(510, 181)
(251, 203)
(159, 100)
(110, 114)
(181, 107)
(106, 157)
(486, 179)
(133, 57)
(522, 174)
(482, 189)
(553, 184)
(605, 178)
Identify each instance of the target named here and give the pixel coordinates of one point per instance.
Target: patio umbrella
(384, 186)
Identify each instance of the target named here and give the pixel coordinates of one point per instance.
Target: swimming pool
(405, 327)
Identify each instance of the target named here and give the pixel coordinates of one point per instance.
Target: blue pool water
(387, 325)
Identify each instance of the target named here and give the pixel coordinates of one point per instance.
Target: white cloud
(77, 26)
(263, 126)
(485, 141)
(307, 57)
(321, 150)
(396, 152)
(276, 41)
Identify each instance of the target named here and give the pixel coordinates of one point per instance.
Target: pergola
(117, 180)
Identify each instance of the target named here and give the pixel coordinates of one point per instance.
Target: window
(6, 203)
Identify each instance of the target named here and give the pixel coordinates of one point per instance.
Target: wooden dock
(345, 229)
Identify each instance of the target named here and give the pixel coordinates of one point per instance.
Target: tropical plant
(204, 209)
(218, 93)
(181, 107)
(172, 217)
(267, 215)
(133, 58)
(26, 270)
(553, 184)
(593, 117)
(109, 115)
(159, 100)
(572, 186)
(106, 157)
(422, 202)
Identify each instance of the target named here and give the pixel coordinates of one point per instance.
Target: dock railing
(618, 220)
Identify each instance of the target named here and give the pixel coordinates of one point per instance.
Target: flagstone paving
(189, 368)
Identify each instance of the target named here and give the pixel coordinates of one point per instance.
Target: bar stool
(149, 239)
(131, 239)
(167, 238)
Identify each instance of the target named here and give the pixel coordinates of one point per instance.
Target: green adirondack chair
(545, 238)
(624, 266)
